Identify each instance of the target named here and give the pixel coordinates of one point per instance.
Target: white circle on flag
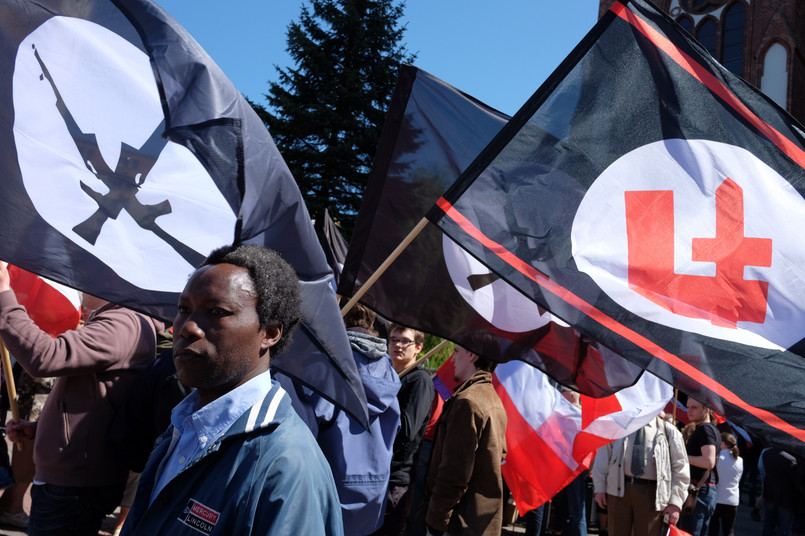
(692, 171)
(494, 299)
(108, 86)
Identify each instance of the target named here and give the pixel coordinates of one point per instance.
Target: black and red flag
(654, 201)
(432, 133)
(126, 156)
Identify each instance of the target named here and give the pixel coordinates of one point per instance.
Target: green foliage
(435, 361)
(327, 111)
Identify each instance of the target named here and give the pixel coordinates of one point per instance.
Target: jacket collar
(269, 411)
(481, 376)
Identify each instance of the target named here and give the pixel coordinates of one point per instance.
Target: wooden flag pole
(9, 374)
(416, 363)
(10, 387)
(383, 267)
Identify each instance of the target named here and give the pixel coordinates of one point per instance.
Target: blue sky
(499, 52)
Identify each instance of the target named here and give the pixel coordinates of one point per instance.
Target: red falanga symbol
(725, 298)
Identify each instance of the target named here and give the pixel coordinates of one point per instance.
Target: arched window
(687, 24)
(732, 51)
(707, 35)
(774, 82)
(692, 5)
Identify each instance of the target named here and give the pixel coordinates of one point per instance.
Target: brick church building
(763, 41)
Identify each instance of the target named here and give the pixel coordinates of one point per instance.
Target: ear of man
(272, 334)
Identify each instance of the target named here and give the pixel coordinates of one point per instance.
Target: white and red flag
(549, 441)
(54, 307)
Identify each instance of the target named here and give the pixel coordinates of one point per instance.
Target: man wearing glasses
(415, 398)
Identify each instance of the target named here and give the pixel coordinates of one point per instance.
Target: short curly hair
(275, 282)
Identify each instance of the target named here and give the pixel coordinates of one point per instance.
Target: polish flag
(549, 441)
(445, 385)
(616, 416)
(673, 530)
(55, 308)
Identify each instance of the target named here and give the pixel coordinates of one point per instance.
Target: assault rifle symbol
(124, 182)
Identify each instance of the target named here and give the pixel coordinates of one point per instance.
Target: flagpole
(416, 363)
(383, 267)
(9, 374)
(10, 387)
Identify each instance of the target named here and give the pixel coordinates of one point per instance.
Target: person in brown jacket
(79, 477)
(464, 481)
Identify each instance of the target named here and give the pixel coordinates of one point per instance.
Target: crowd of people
(206, 437)
(692, 476)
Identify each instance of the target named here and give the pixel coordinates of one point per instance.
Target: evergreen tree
(326, 112)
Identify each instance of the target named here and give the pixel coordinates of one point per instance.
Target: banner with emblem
(127, 156)
(653, 201)
(432, 132)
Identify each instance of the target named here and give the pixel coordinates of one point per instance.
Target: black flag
(334, 244)
(654, 201)
(127, 156)
(431, 134)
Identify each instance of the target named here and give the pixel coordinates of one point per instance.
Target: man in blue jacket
(236, 458)
(359, 458)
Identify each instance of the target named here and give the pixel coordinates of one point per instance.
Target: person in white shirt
(730, 467)
(642, 480)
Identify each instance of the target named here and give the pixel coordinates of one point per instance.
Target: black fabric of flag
(127, 156)
(431, 134)
(334, 244)
(651, 199)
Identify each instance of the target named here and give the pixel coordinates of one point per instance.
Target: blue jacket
(264, 476)
(360, 459)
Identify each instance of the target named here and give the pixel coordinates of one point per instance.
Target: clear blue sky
(499, 52)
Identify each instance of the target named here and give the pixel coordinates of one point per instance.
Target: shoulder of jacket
(481, 397)
(672, 433)
(271, 410)
(418, 378)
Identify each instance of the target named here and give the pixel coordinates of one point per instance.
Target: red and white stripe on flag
(549, 441)
(539, 437)
(616, 416)
(673, 530)
(55, 308)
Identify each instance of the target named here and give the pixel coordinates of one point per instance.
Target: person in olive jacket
(464, 479)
